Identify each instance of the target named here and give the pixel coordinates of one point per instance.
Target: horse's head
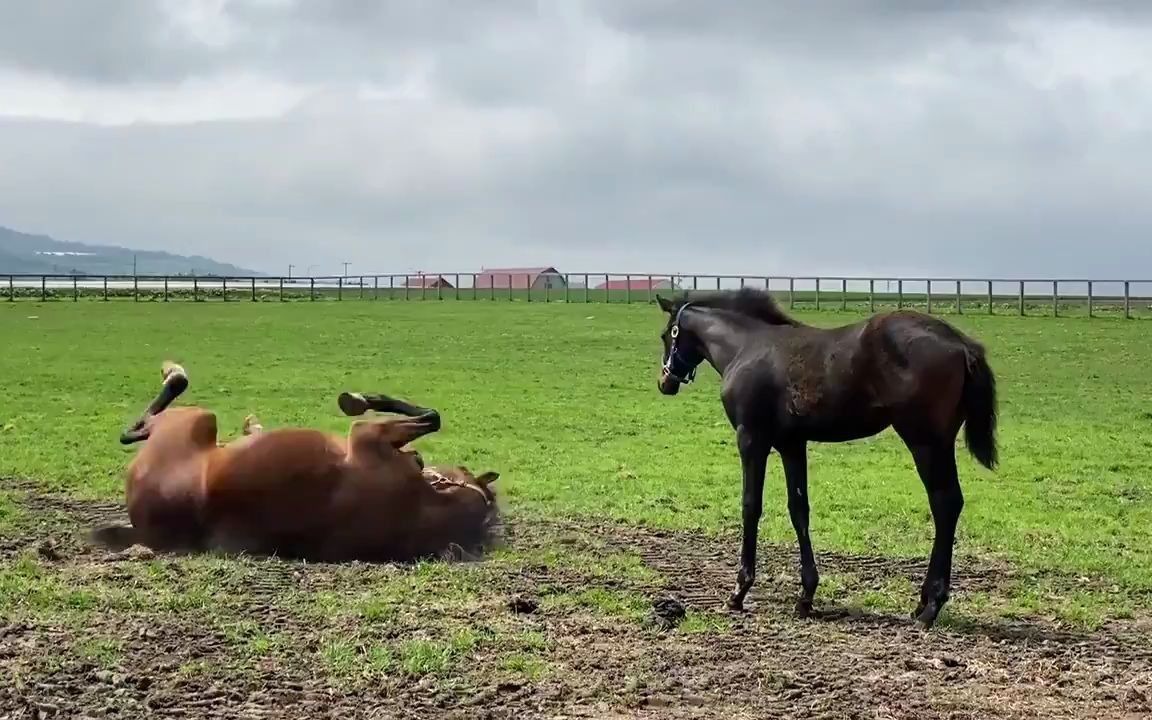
(459, 480)
(682, 351)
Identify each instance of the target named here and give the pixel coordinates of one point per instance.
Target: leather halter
(437, 478)
(675, 365)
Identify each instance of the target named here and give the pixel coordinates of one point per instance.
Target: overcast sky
(981, 137)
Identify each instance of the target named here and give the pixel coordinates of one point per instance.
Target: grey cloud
(109, 40)
(640, 136)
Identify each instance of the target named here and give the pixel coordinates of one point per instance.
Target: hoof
(169, 368)
(352, 404)
(926, 616)
(735, 603)
(251, 425)
(803, 609)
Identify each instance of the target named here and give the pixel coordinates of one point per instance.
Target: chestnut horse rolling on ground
(297, 492)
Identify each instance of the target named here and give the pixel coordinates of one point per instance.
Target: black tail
(980, 407)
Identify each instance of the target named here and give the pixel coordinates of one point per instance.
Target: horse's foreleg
(795, 461)
(175, 383)
(936, 464)
(754, 449)
(355, 404)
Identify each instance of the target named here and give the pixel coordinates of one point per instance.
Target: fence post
(1089, 298)
(1127, 300)
(253, 289)
(695, 283)
(105, 288)
(456, 294)
(989, 297)
(195, 289)
(567, 295)
(528, 285)
(900, 294)
(843, 293)
(650, 298)
(12, 288)
(136, 288)
(312, 289)
(817, 293)
(511, 282)
(959, 300)
(628, 289)
(1055, 298)
(225, 289)
(587, 280)
(281, 289)
(791, 293)
(165, 288)
(391, 287)
(1021, 298)
(423, 287)
(607, 288)
(439, 287)
(43, 288)
(872, 295)
(75, 290)
(928, 296)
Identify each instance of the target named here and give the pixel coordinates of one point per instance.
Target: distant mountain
(21, 253)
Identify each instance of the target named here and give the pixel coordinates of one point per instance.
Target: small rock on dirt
(522, 605)
(669, 612)
(48, 551)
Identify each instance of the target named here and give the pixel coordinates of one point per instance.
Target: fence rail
(1091, 297)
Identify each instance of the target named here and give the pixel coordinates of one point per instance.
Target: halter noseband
(676, 366)
(436, 478)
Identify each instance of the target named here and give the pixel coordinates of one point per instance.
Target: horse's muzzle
(668, 385)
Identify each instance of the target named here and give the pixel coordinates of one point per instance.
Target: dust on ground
(848, 663)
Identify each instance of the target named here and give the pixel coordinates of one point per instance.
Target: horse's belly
(843, 428)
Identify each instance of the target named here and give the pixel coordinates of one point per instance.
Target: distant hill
(42, 255)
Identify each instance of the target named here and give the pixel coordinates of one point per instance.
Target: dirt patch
(255, 651)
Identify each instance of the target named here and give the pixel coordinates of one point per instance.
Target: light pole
(346, 269)
(290, 266)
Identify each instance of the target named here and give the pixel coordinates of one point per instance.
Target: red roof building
(636, 283)
(427, 281)
(519, 278)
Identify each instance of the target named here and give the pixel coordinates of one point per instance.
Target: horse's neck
(723, 335)
(443, 512)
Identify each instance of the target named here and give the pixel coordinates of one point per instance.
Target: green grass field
(561, 399)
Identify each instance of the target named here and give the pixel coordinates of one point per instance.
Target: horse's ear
(487, 478)
(665, 304)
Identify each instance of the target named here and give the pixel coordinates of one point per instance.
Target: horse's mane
(749, 302)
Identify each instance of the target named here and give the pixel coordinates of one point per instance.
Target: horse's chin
(668, 386)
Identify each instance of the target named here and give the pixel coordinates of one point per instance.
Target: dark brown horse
(297, 492)
(785, 384)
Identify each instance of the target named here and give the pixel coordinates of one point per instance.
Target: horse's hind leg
(936, 464)
(175, 382)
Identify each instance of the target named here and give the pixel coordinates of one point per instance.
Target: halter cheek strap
(676, 366)
(435, 478)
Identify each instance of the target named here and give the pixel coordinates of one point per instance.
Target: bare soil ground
(596, 663)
